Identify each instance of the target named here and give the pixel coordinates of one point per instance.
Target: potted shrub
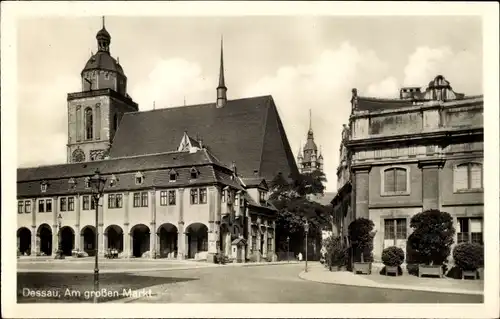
(431, 240)
(469, 258)
(335, 253)
(361, 237)
(393, 257)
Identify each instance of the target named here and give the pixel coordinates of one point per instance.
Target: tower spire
(310, 120)
(103, 38)
(103, 22)
(221, 89)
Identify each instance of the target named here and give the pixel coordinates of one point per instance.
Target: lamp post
(288, 248)
(60, 254)
(97, 183)
(306, 229)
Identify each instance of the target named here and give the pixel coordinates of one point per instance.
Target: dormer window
(241, 199)
(71, 183)
(87, 182)
(113, 180)
(223, 196)
(194, 173)
(262, 196)
(139, 178)
(173, 175)
(43, 187)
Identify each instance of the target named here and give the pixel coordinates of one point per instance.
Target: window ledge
(389, 194)
(472, 190)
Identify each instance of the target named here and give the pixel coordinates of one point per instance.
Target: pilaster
(55, 232)
(77, 221)
(127, 246)
(181, 236)
(34, 236)
(361, 190)
(430, 182)
(152, 236)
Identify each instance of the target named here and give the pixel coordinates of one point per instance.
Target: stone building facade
(402, 156)
(179, 182)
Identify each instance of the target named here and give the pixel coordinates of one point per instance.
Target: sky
(304, 62)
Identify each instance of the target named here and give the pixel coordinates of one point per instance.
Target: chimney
(233, 168)
(354, 99)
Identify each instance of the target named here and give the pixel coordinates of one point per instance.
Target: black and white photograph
(250, 159)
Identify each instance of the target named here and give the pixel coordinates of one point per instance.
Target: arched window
(395, 180)
(115, 122)
(468, 176)
(89, 124)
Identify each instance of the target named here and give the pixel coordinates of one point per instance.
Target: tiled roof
(253, 181)
(116, 165)
(247, 131)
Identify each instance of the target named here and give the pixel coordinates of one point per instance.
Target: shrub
(336, 253)
(469, 256)
(361, 237)
(432, 237)
(393, 256)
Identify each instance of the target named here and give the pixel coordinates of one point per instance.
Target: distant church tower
(308, 159)
(94, 113)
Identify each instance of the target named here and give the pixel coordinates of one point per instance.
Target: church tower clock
(95, 112)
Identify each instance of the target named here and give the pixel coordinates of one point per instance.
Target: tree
(294, 207)
(432, 236)
(361, 236)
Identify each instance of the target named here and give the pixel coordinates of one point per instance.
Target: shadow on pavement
(68, 288)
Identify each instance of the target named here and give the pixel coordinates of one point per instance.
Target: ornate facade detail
(78, 156)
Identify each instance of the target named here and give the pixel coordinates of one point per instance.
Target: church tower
(310, 160)
(95, 112)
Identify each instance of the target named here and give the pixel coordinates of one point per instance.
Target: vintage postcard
(238, 159)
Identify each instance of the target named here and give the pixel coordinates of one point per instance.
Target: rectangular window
(389, 181)
(20, 207)
(86, 202)
(194, 196)
(48, 205)
(27, 206)
(470, 230)
(62, 202)
(203, 195)
(476, 176)
(92, 203)
(171, 197)
(71, 204)
(262, 196)
(269, 242)
(144, 199)
(395, 228)
(400, 184)
(468, 176)
(254, 241)
(223, 196)
(41, 206)
(119, 200)
(111, 201)
(163, 198)
(461, 177)
(137, 199)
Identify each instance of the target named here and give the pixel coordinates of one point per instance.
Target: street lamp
(59, 254)
(288, 248)
(306, 229)
(97, 183)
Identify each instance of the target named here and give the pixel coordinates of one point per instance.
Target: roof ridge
(197, 105)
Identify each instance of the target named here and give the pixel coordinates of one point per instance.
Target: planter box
(391, 270)
(364, 268)
(481, 273)
(434, 270)
(469, 273)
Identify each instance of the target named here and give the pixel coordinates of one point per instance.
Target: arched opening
(225, 239)
(197, 240)
(140, 239)
(167, 234)
(24, 241)
(262, 240)
(67, 240)
(88, 237)
(114, 237)
(44, 235)
(89, 124)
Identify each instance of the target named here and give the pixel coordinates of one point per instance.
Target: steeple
(103, 38)
(221, 89)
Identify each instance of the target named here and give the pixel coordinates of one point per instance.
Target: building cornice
(101, 92)
(415, 137)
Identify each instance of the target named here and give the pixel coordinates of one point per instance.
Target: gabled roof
(247, 131)
(255, 182)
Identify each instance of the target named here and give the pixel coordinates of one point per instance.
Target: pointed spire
(310, 120)
(103, 22)
(221, 89)
(154, 105)
(103, 38)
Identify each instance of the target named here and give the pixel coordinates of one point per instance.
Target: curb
(132, 270)
(398, 287)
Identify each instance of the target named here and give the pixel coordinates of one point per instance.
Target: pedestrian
(300, 256)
